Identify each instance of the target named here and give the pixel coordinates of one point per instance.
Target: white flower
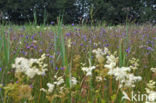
(99, 54)
(151, 84)
(124, 77)
(21, 64)
(30, 67)
(44, 90)
(152, 96)
(34, 41)
(99, 78)
(150, 91)
(88, 70)
(111, 62)
(59, 81)
(131, 79)
(50, 87)
(153, 70)
(134, 63)
(119, 73)
(69, 43)
(74, 81)
(31, 73)
(106, 51)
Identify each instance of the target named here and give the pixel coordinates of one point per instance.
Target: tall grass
(35, 17)
(45, 17)
(5, 55)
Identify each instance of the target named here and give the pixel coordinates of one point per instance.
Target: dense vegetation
(77, 64)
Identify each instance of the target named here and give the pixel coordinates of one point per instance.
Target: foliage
(78, 11)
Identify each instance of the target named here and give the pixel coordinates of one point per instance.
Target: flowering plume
(153, 70)
(99, 54)
(30, 67)
(124, 76)
(134, 63)
(121, 74)
(88, 70)
(111, 62)
(151, 92)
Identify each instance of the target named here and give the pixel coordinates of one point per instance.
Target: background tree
(110, 11)
(117, 11)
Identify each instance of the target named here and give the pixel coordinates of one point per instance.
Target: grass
(30, 41)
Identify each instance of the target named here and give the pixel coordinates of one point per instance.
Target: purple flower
(40, 50)
(128, 50)
(56, 68)
(106, 45)
(85, 38)
(0, 69)
(28, 47)
(51, 56)
(21, 36)
(32, 37)
(68, 34)
(72, 24)
(81, 44)
(24, 52)
(62, 68)
(149, 48)
(27, 37)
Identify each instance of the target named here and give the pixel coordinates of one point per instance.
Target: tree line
(78, 11)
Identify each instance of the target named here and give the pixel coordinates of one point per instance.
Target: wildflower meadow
(78, 63)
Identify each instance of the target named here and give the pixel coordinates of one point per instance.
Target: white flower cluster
(153, 70)
(99, 54)
(151, 84)
(50, 88)
(58, 83)
(99, 78)
(150, 91)
(111, 62)
(134, 63)
(88, 70)
(123, 74)
(69, 43)
(152, 97)
(30, 67)
(74, 81)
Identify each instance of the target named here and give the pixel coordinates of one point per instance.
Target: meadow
(77, 63)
